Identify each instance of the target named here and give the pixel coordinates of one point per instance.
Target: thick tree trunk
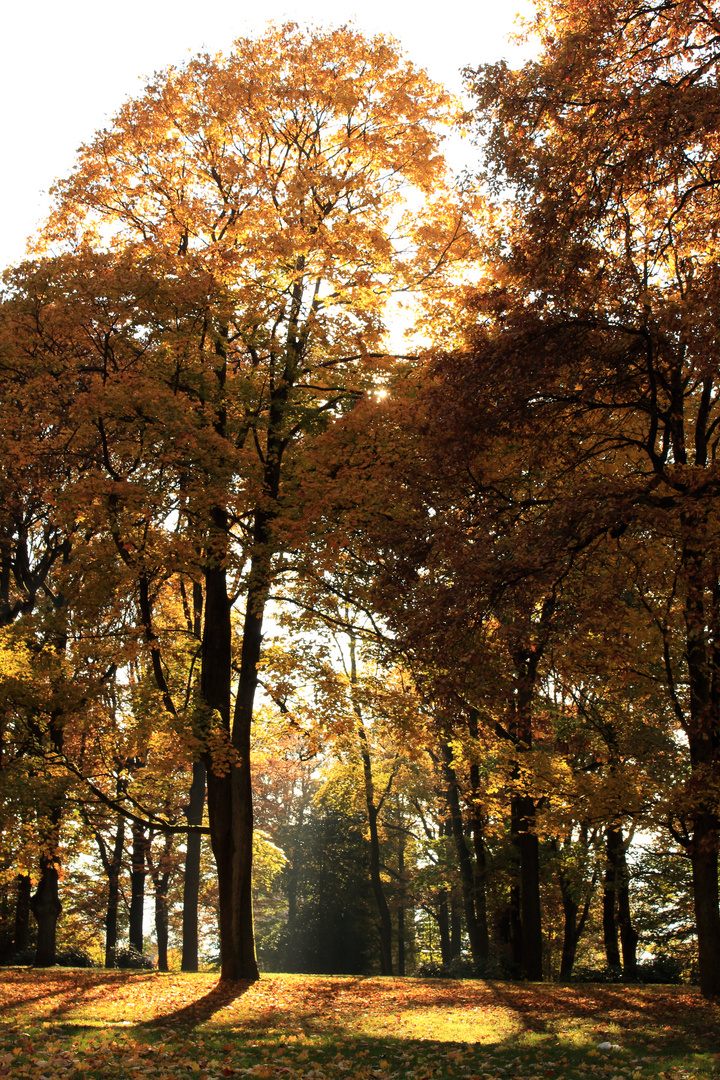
(704, 855)
(228, 774)
(191, 883)
(610, 929)
(46, 908)
(138, 873)
(21, 935)
(702, 646)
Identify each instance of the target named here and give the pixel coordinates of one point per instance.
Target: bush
(130, 958)
(661, 969)
(597, 975)
(69, 957)
(462, 967)
(74, 957)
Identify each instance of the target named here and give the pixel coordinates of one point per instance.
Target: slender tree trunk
(443, 922)
(385, 923)
(522, 815)
(191, 883)
(401, 899)
(138, 873)
(573, 926)
(467, 877)
(161, 919)
(610, 934)
(515, 927)
(628, 933)
(21, 936)
(455, 927)
(112, 869)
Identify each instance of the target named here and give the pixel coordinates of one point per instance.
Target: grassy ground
(64, 1024)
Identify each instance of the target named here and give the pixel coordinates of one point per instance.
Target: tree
(597, 332)
(234, 237)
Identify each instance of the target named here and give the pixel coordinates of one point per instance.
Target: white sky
(65, 67)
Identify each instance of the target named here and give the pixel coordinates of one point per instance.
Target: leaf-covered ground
(63, 1024)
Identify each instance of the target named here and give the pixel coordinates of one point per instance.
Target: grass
(63, 1024)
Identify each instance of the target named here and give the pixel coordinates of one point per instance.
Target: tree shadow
(202, 1010)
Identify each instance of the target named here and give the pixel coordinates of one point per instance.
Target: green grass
(62, 1024)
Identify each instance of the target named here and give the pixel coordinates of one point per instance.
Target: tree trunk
(385, 923)
(161, 919)
(191, 883)
(628, 933)
(455, 927)
(401, 899)
(112, 870)
(610, 934)
(522, 814)
(476, 828)
(704, 855)
(573, 926)
(228, 791)
(530, 912)
(21, 936)
(46, 908)
(443, 922)
(467, 876)
(137, 887)
(702, 648)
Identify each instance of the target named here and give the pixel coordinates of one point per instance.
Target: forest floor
(64, 1024)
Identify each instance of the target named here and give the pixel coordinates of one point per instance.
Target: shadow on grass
(202, 1010)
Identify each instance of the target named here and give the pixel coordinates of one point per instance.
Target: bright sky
(66, 66)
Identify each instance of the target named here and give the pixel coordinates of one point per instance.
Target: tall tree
(252, 210)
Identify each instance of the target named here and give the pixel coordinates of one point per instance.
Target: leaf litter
(64, 1025)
